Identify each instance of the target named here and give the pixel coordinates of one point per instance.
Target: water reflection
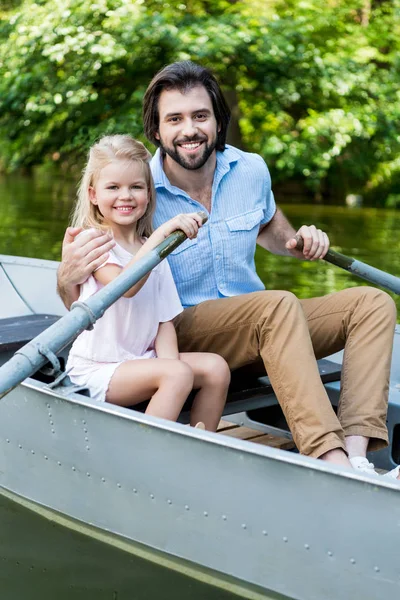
(34, 213)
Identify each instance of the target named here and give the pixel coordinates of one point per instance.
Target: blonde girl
(131, 354)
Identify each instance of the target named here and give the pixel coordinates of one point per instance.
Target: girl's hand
(189, 223)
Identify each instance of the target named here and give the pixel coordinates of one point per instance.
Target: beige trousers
(288, 335)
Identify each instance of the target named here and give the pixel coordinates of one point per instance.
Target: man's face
(188, 128)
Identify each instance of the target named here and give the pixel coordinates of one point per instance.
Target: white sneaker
(360, 463)
(393, 474)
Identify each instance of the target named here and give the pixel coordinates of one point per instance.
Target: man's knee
(279, 300)
(378, 300)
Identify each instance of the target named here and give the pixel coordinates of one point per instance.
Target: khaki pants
(288, 335)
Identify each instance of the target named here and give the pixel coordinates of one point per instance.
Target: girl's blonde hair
(108, 149)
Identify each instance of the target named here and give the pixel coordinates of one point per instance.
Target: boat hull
(219, 515)
(45, 555)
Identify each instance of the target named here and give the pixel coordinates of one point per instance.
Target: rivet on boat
(118, 485)
(74, 468)
(46, 457)
(169, 501)
(152, 496)
(205, 513)
(59, 464)
(19, 446)
(134, 490)
(8, 441)
(285, 539)
(330, 553)
(307, 546)
(87, 447)
(88, 474)
(51, 423)
(224, 517)
(32, 452)
(244, 526)
(186, 507)
(265, 532)
(103, 479)
(376, 569)
(353, 561)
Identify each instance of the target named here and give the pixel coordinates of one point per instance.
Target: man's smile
(192, 146)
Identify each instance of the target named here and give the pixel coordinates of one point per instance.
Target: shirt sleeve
(169, 304)
(111, 260)
(270, 206)
(91, 285)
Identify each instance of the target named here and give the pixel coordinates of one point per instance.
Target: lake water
(34, 213)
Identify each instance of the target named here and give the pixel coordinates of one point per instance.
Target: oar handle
(356, 267)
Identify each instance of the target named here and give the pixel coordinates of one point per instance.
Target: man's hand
(315, 243)
(81, 255)
(279, 237)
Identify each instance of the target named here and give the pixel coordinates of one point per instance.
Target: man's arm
(80, 257)
(279, 237)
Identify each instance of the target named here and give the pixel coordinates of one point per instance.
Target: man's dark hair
(184, 76)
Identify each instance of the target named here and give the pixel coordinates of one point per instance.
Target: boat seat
(15, 332)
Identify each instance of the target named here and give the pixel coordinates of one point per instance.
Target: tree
(313, 86)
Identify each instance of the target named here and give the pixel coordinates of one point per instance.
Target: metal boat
(103, 502)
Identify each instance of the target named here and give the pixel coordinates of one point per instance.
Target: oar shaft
(356, 267)
(372, 274)
(33, 355)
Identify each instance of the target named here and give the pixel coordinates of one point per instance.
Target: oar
(82, 315)
(357, 267)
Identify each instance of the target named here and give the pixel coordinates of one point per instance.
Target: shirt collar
(224, 161)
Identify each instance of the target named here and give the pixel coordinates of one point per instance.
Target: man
(227, 309)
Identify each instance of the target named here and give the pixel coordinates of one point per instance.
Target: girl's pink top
(128, 329)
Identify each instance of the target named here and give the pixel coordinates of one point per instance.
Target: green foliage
(316, 83)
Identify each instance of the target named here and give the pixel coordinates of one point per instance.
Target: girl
(131, 354)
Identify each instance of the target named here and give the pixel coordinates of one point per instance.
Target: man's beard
(188, 162)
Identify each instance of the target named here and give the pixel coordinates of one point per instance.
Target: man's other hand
(314, 241)
(83, 251)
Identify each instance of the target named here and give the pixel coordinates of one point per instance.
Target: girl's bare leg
(211, 377)
(167, 382)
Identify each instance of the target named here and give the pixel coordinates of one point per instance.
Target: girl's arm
(188, 223)
(166, 343)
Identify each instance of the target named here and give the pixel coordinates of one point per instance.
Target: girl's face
(121, 193)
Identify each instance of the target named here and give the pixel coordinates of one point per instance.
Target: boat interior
(29, 304)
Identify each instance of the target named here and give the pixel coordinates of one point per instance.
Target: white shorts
(95, 376)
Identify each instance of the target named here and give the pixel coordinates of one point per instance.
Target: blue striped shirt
(220, 262)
